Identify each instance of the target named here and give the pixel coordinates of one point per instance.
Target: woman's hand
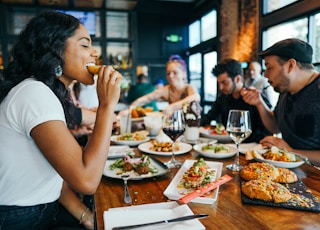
(108, 86)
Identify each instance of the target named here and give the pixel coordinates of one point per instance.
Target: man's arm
(252, 96)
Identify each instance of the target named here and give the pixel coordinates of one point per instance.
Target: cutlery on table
(306, 160)
(127, 197)
(184, 218)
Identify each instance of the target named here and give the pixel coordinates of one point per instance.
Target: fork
(127, 197)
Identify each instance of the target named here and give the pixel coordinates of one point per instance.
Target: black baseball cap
(290, 48)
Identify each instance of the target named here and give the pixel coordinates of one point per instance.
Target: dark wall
(152, 28)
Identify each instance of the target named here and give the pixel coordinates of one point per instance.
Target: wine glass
(238, 128)
(173, 124)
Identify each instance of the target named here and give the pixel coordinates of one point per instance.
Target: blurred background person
(159, 84)
(177, 92)
(229, 75)
(255, 79)
(142, 88)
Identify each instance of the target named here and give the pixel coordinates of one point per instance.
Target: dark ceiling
(109, 4)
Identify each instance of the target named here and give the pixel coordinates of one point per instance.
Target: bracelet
(82, 215)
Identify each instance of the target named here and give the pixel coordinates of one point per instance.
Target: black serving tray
(299, 188)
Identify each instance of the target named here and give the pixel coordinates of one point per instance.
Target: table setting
(220, 197)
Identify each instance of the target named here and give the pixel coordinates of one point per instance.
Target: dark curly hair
(38, 51)
(230, 66)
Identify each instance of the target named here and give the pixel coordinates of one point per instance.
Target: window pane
(210, 82)
(117, 25)
(196, 84)
(209, 26)
(272, 5)
(194, 34)
(195, 66)
(119, 54)
(293, 29)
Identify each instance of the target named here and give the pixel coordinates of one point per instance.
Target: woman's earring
(58, 71)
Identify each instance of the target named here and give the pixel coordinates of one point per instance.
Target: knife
(306, 160)
(184, 218)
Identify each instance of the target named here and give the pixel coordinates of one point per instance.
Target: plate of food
(215, 150)
(131, 139)
(164, 148)
(136, 167)
(217, 132)
(275, 156)
(203, 172)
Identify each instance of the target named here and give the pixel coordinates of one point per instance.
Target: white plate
(220, 138)
(139, 214)
(232, 151)
(198, 141)
(116, 173)
(116, 151)
(183, 148)
(175, 191)
(281, 164)
(130, 143)
(245, 147)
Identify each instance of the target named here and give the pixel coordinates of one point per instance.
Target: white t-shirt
(26, 177)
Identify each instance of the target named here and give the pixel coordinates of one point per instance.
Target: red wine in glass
(173, 133)
(173, 125)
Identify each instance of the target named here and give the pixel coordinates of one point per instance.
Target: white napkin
(149, 213)
(118, 151)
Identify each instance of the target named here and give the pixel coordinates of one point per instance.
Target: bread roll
(93, 69)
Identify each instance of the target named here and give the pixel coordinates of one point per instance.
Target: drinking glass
(238, 128)
(173, 124)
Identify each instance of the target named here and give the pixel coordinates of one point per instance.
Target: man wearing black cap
(290, 71)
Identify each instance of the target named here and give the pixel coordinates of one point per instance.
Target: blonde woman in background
(177, 92)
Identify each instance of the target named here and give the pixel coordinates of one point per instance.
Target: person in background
(142, 88)
(34, 134)
(229, 75)
(290, 71)
(159, 84)
(255, 79)
(177, 92)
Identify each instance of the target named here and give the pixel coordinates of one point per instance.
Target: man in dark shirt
(230, 79)
(290, 71)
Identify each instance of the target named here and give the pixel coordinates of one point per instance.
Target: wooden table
(228, 212)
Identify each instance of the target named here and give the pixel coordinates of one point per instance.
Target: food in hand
(266, 190)
(93, 69)
(215, 148)
(140, 166)
(197, 175)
